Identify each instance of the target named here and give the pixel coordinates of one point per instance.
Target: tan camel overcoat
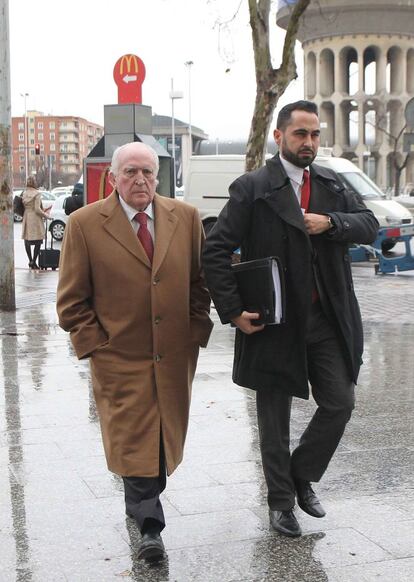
(33, 225)
(141, 327)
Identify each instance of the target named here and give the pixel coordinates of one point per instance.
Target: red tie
(305, 191)
(144, 235)
(304, 204)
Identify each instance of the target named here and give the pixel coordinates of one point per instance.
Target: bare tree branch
(395, 153)
(270, 83)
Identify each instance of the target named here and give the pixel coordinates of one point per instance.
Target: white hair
(115, 156)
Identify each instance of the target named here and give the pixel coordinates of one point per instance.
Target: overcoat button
(157, 320)
(155, 281)
(158, 358)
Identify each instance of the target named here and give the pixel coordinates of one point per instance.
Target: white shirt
(295, 176)
(131, 213)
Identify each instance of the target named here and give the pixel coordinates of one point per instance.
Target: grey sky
(63, 54)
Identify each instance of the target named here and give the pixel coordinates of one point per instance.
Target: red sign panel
(129, 74)
(96, 178)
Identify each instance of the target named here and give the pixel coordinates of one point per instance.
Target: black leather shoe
(285, 523)
(307, 499)
(151, 547)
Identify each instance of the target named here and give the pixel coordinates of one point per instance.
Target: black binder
(261, 286)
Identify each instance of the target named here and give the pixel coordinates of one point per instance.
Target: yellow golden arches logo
(128, 61)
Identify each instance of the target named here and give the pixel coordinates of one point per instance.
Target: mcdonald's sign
(129, 74)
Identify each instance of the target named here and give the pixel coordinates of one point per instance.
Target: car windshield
(48, 196)
(361, 184)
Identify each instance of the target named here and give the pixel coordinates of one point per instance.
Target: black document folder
(261, 286)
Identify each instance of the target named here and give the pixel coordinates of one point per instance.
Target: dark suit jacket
(263, 217)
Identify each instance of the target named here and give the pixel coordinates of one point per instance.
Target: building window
(40, 136)
(42, 147)
(65, 158)
(52, 137)
(32, 152)
(32, 142)
(52, 158)
(21, 158)
(51, 125)
(21, 125)
(21, 148)
(21, 136)
(40, 125)
(52, 147)
(65, 137)
(31, 130)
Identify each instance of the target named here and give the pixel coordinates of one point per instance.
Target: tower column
(361, 71)
(381, 70)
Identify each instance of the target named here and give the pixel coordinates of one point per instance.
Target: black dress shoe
(285, 523)
(151, 547)
(307, 499)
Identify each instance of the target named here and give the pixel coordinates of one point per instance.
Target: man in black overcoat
(271, 212)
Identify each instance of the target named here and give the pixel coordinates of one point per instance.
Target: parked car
(62, 190)
(47, 201)
(58, 218)
(208, 179)
(406, 200)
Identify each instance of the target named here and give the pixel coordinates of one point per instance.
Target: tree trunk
(398, 170)
(270, 83)
(397, 181)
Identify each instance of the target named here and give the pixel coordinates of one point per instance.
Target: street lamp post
(26, 140)
(173, 95)
(188, 64)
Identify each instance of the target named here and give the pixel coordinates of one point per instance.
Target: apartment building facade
(62, 142)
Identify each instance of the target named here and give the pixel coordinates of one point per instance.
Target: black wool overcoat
(263, 218)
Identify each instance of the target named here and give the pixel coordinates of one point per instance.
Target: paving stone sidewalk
(62, 513)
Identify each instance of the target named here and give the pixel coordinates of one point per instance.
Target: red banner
(97, 180)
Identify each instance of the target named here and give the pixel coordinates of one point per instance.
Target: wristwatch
(330, 222)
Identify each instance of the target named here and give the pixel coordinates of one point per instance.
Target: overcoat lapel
(165, 225)
(281, 197)
(116, 224)
(322, 199)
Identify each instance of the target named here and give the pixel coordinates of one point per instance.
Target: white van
(208, 179)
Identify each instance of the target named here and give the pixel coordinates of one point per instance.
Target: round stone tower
(359, 69)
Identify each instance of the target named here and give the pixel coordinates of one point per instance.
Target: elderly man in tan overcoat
(132, 295)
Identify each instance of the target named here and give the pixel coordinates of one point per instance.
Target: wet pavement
(62, 513)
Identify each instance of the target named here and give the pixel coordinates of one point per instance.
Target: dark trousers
(334, 394)
(142, 497)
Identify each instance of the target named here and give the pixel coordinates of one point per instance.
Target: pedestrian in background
(301, 213)
(33, 225)
(132, 295)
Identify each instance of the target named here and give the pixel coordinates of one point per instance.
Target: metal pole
(50, 171)
(190, 132)
(7, 284)
(173, 133)
(26, 138)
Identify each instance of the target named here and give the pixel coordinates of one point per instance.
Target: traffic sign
(129, 74)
